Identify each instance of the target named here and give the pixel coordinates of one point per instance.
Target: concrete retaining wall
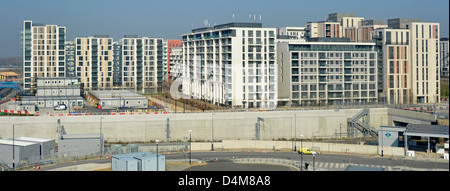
(253, 145)
(277, 125)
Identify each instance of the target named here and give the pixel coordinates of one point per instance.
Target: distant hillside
(10, 62)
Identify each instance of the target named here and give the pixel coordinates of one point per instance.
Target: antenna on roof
(254, 18)
(249, 18)
(259, 17)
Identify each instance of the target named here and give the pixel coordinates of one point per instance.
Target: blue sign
(388, 134)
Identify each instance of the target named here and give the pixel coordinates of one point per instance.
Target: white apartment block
(317, 73)
(232, 64)
(142, 60)
(176, 64)
(43, 52)
(94, 62)
(298, 32)
(444, 51)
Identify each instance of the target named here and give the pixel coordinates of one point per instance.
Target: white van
(61, 107)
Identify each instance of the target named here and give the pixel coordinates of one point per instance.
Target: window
(391, 52)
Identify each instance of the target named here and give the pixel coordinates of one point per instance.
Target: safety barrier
(130, 113)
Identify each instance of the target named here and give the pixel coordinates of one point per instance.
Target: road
(323, 162)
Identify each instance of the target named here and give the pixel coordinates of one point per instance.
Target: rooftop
(114, 94)
(229, 25)
(16, 143)
(427, 130)
(33, 139)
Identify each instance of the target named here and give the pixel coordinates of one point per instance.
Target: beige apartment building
(43, 52)
(363, 32)
(396, 64)
(323, 29)
(142, 60)
(411, 68)
(335, 26)
(425, 58)
(94, 62)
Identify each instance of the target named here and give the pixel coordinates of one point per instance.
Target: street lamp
(157, 165)
(295, 133)
(314, 161)
(190, 146)
(101, 150)
(301, 152)
(212, 134)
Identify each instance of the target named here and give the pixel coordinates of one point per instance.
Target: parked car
(61, 107)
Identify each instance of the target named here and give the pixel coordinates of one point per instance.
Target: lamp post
(101, 150)
(14, 160)
(295, 132)
(212, 134)
(157, 165)
(382, 143)
(301, 152)
(314, 162)
(190, 146)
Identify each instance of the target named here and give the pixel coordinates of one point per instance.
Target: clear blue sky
(172, 18)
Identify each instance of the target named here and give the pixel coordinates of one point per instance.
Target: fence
(292, 163)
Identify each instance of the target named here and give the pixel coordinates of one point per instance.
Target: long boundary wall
(277, 125)
(317, 146)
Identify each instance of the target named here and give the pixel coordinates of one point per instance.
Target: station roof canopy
(427, 130)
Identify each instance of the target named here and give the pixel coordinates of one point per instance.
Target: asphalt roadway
(223, 161)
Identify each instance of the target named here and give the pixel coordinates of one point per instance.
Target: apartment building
(363, 32)
(176, 62)
(326, 72)
(170, 61)
(323, 29)
(42, 51)
(233, 64)
(142, 63)
(298, 33)
(395, 65)
(94, 62)
(424, 38)
(70, 59)
(443, 51)
(338, 25)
